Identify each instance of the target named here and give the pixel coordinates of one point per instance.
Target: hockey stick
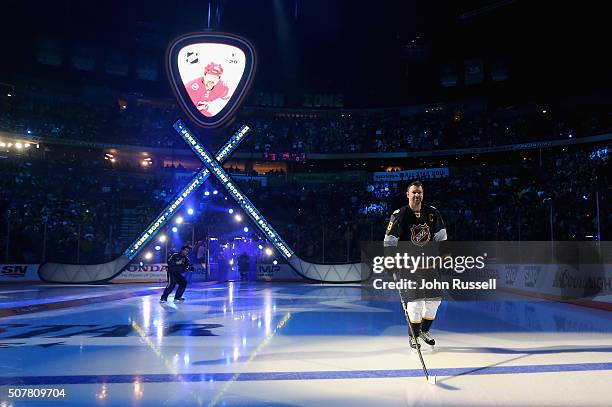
(96, 273)
(344, 273)
(411, 331)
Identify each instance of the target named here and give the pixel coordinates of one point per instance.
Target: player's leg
(169, 287)
(429, 315)
(182, 285)
(415, 317)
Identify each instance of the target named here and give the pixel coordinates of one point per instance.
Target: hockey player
(209, 93)
(418, 223)
(178, 263)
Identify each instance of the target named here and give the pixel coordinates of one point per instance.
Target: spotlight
(148, 256)
(275, 262)
(206, 193)
(140, 264)
(179, 220)
(162, 238)
(268, 251)
(175, 229)
(238, 218)
(215, 192)
(27, 145)
(190, 211)
(9, 95)
(231, 262)
(29, 131)
(158, 247)
(18, 146)
(260, 247)
(246, 229)
(230, 211)
(2, 144)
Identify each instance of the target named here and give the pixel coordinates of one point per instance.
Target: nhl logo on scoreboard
(210, 74)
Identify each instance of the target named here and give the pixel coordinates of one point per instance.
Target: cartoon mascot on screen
(209, 93)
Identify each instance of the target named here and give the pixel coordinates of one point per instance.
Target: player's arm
(392, 236)
(188, 266)
(173, 260)
(440, 234)
(439, 227)
(394, 229)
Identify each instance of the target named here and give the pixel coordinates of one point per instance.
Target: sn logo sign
(14, 270)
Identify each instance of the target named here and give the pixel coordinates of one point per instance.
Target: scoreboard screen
(210, 74)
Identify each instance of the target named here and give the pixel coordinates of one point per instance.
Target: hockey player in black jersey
(178, 263)
(417, 223)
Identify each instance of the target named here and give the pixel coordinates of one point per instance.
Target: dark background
(376, 53)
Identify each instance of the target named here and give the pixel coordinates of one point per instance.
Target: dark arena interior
(305, 203)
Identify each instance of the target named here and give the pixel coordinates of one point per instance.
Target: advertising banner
(18, 272)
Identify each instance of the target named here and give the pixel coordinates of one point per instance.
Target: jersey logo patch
(420, 234)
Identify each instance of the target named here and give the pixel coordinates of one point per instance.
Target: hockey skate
(427, 338)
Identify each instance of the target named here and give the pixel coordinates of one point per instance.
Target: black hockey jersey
(418, 227)
(178, 263)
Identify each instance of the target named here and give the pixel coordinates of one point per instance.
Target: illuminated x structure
(334, 273)
(78, 273)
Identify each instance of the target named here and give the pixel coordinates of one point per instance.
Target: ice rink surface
(289, 344)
